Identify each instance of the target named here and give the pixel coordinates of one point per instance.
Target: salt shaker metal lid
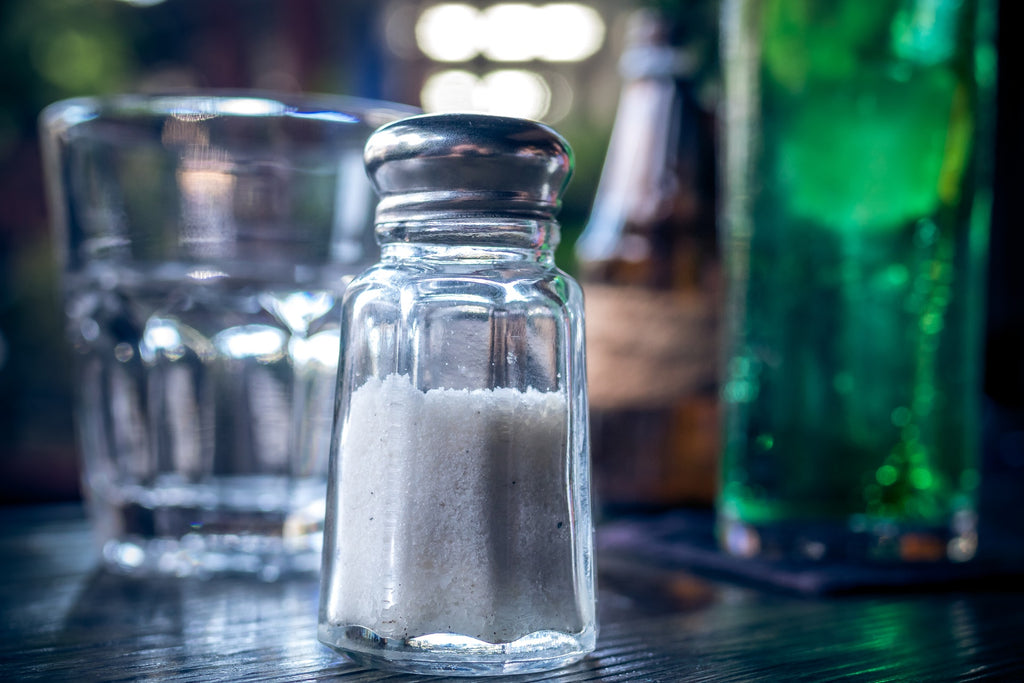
(444, 165)
(459, 538)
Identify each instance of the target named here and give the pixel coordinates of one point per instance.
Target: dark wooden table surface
(63, 618)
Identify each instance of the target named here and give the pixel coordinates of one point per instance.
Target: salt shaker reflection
(459, 536)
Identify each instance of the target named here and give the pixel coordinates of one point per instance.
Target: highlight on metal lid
(472, 164)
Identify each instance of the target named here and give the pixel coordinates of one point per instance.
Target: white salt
(454, 514)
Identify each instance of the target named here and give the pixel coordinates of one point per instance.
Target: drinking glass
(205, 240)
(856, 228)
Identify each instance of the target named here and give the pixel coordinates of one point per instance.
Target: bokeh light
(447, 32)
(507, 92)
(510, 32)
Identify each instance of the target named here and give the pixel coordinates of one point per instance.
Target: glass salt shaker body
(459, 537)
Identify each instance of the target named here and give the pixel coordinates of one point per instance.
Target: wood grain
(64, 619)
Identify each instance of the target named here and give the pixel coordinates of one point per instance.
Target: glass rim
(201, 104)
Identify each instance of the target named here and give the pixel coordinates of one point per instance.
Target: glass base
(203, 541)
(449, 654)
(853, 540)
(204, 556)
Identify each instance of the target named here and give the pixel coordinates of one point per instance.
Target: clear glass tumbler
(459, 536)
(206, 241)
(856, 228)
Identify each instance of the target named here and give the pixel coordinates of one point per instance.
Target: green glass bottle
(856, 228)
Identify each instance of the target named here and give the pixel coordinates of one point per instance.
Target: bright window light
(515, 92)
(448, 32)
(450, 90)
(510, 32)
(507, 92)
(572, 32)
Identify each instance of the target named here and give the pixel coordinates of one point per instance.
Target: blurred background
(504, 57)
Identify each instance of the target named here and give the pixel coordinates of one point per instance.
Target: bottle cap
(438, 166)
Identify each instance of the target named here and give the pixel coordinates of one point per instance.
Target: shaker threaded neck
(471, 239)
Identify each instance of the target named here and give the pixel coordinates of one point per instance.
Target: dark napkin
(684, 539)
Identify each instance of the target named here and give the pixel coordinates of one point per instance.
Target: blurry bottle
(650, 266)
(855, 223)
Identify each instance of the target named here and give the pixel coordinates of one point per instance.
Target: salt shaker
(459, 538)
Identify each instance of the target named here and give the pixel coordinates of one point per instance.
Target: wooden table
(63, 618)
